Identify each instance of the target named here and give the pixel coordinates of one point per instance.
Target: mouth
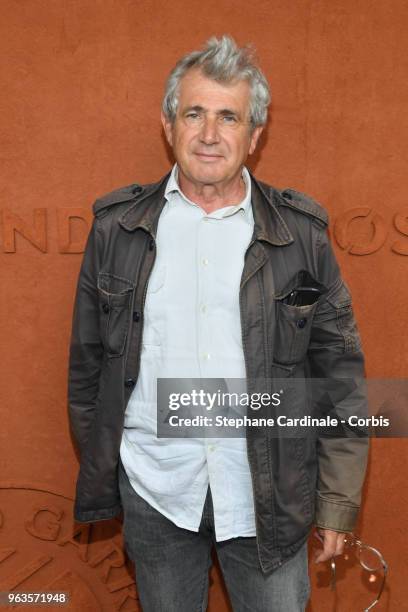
(208, 157)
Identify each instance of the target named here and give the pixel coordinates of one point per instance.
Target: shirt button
(301, 323)
(136, 315)
(204, 262)
(105, 308)
(203, 308)
(151, 245)
(206, 356)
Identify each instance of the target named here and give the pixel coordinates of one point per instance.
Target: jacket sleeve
(335, 353)
(86, 350)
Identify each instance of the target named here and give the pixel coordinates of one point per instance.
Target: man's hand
(333, 544)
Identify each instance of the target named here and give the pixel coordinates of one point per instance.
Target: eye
(229, 119)
(193, 116)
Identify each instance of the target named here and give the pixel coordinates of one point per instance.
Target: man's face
(211, 135)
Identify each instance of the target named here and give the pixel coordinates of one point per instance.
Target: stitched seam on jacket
(336, 503)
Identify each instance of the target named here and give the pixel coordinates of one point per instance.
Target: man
(189, 278)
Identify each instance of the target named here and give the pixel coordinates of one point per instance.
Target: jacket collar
(145, 211)
(269, 225)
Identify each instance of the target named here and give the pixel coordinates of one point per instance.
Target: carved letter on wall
(401, 224)
(44, 526)
(342, 227)
(64, 216)
(42, 549)
(81, 544)
(37, 235)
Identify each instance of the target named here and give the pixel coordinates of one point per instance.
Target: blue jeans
(172, 564)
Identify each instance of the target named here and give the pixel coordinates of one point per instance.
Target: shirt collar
(245, 204)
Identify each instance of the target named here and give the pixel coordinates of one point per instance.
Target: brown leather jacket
(296, 482)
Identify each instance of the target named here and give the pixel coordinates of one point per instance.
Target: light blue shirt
(192, 329)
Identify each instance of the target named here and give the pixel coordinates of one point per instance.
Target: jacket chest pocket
(295, 308)
(115, 302)
(293, 328)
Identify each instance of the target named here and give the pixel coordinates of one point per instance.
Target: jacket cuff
(335, 515)
(92, 516)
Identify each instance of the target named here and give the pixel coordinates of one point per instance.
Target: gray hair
(222, 61)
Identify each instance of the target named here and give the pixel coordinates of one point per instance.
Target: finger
(339, 544)
(317, 534)
(323, 556)
(329, 547)
(333, 545)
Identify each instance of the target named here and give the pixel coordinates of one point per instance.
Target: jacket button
(151, 245)
(130, 382)
(105, 308)
(136, 315)
(301, 323)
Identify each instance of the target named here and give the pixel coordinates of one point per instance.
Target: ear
(168, 128)
(254, 138)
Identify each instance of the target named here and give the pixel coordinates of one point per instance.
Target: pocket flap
(114, 285)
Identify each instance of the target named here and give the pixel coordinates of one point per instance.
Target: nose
(209, 131)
